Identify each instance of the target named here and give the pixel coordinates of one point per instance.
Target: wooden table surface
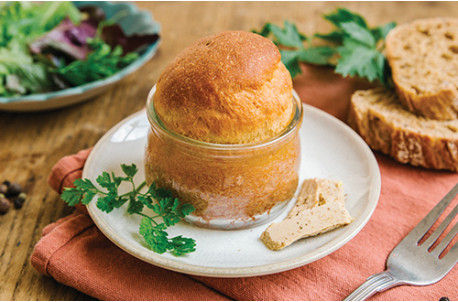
(30, 144)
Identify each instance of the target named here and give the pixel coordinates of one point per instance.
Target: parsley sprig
(159, 200)
(356, 47)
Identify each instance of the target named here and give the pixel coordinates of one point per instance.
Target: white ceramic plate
(330, 149)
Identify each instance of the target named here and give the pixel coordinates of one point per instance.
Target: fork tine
(447, 239)
(426, 223)
(433, 237)
(452, 255)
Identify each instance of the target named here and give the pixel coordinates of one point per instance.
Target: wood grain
(30, 144)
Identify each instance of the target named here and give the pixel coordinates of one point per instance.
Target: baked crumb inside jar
(230, 185)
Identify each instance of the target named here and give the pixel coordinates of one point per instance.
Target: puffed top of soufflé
(228, 88)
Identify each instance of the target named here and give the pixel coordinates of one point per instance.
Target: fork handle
(375, 283)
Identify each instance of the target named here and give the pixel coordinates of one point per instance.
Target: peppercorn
(14, 189)
(7, 183)
(4, 204)
(3, 188)
(19, 201)
(444, 299)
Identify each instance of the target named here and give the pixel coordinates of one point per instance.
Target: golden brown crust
(423, 56)
(227, 88)
(386, 126)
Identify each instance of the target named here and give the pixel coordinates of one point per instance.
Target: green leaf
(290, 59)
(85, 184)
(157, 209)
(88, 197)
(334, 36)
(265, 31)
(380, 32)
(105, 181)
(160, 200)
(357, 59)
(83, 192)
(22, 74)
(382, 66)
(129, 170)
(53, 12)
(117, 180)
(135, 206)
(71, 196)
(319, 55)
(355, 43)
(154, 236)
(101, 63)
(358, 33)
(159, 193)
(342, 15)
(105, 203)
(288, 36)
(180, 245)
(146, 200)
(186, 209)
(110, 202)
(24, 21)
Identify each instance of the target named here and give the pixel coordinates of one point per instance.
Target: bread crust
(423, 56)
(386, 126)
(228, 88)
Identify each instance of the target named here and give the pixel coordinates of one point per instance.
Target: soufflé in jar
(224, 130)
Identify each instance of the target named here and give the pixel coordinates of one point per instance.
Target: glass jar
(230, 185)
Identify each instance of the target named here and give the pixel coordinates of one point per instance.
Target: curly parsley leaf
(180, 245)
(154, 235)
(135, 206)
(83, 192)
(129, 170)
(355, 46)
(160, 200)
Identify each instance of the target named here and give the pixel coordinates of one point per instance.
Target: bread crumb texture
(228, 88)
(320, 208)
(423, 56)
(387, 126)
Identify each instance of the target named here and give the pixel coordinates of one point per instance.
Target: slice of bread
(385, 125)
(320, 207)
(423, 56)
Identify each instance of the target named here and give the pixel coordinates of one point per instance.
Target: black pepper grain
(3, 188)
(444, 299)
(19, 201)
(14, 189)
(4, 204)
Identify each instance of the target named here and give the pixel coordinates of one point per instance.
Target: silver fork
(413, 263)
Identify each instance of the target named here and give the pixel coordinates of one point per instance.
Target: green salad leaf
(53, 45)
(101, 63)
(25, 21)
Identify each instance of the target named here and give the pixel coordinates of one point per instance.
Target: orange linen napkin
(74, 252)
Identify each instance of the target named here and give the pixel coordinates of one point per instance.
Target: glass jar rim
(294, 124)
